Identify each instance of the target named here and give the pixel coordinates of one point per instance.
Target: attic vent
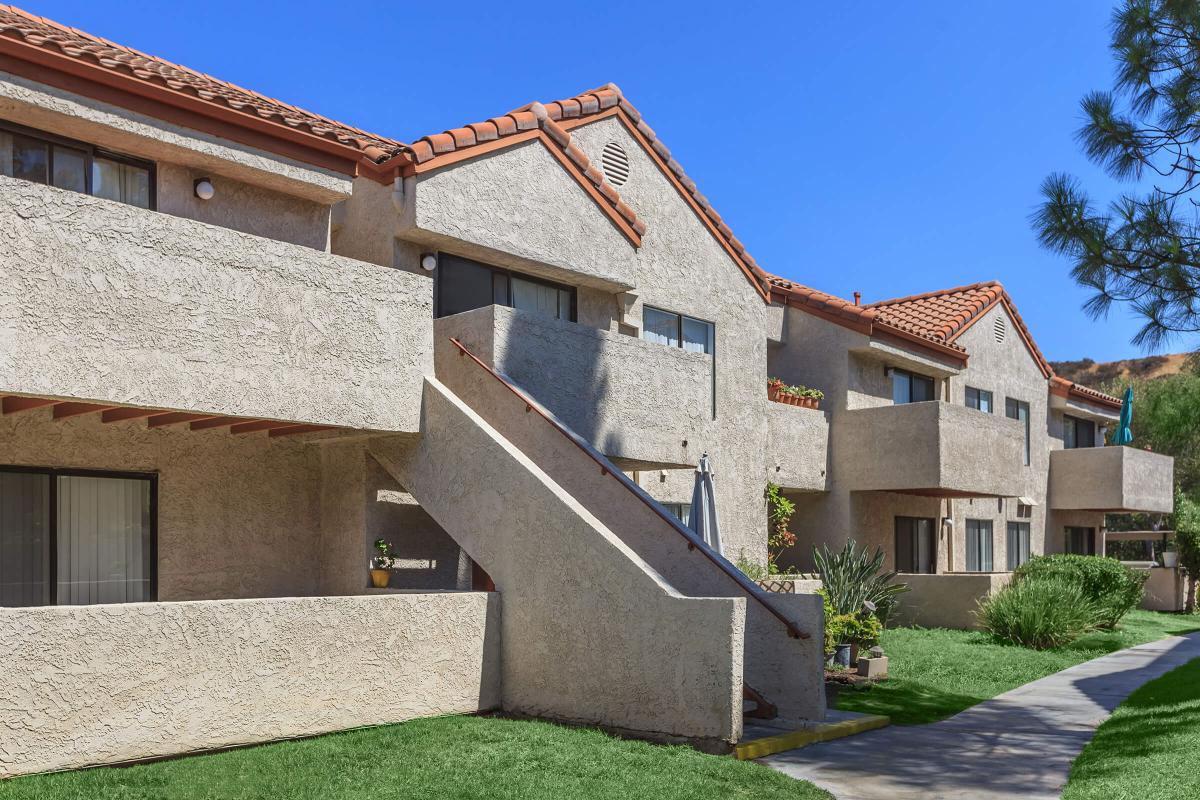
(615, 163)
(1000, 329)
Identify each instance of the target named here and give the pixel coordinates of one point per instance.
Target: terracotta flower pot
(380, 578)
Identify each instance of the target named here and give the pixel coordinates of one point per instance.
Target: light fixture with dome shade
(428, 262)
(204, 189)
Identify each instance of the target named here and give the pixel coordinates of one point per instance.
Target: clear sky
(889, 148)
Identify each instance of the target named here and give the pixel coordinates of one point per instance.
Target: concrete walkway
(1018, 745)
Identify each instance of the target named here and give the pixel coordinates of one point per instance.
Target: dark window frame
(933, 545)
(52, 518)
(1073, 424)
(509, 275)
(913, 378)
(1012, 410)
(91, 152)
(979, 395)
(979, 525)
(1021, 529)
(1089, 539)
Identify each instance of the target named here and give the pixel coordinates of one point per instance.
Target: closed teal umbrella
(1123, 434)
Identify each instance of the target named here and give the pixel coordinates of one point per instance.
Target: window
(1078, 432)
(908, 387)
(677, 330)
(916, 547)
(78, 167)
(1019, 410)
(1081, 541)
(1018, 544)
(1024, 510)
(979, 545)
(76, 537)
(681, 511)
(979, 399)
(464, 285)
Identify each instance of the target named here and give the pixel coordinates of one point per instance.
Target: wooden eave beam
(174, 417)
(12, 404)
(73, 409)
(259, 425)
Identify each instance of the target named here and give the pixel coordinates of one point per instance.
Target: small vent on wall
(616, 164)
(1000, 329)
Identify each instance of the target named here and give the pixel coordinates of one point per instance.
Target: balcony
(1111, 479)
(114, 304)
(933, 448)
(640, 403)
(797, 447)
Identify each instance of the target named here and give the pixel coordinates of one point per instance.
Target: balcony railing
(631, 399)
(931, 448)
(1111, 479)
(798, 447)
(110, 303)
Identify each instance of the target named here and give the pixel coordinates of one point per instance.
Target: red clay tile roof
(560, 116)
(942, 315)
(1062, 386)
(533, 117)
(21, 27)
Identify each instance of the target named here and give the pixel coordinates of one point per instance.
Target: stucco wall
(591, 633)
(1165, 589)
(74, 116)
(100, 684)
(787, 671)
(243, 207)
(798, 447)
(112, 303)
(1111, 479)
(238, 516)
(947, 601)
(630, 398)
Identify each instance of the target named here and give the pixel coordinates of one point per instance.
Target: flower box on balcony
(802, 396)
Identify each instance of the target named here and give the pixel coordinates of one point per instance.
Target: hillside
(1089, 373)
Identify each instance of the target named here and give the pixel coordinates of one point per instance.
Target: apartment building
(952, 444)
(240, 342)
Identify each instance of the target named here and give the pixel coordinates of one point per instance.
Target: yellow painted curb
(769, 745)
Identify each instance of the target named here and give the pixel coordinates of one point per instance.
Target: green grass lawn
(1149, 747)
(936, 673)
(444, 757)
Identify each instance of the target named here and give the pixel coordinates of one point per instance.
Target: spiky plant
(852, 578)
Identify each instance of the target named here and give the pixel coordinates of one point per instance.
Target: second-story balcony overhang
(1113, 479)
(643, 405)
(932, 448)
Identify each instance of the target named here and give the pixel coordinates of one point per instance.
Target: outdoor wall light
(428, 262)
(948, 522)
(204, 189)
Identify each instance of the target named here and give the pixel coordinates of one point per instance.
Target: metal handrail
(606, 468)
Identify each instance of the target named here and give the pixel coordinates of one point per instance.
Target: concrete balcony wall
(933, 448)
(629, 398)
(797, 447)
(112, 303)
(1111, 479)
(163, 679)
(947, 600)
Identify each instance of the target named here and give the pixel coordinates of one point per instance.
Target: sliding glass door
(76, 538)
(916, 547)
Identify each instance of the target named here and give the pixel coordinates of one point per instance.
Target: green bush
(862, 629)
(1112, 588)
(1042, 613)
(853, 578)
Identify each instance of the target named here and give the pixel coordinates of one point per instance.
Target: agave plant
(854, 580)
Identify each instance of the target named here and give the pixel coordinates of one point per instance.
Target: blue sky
(886, 148)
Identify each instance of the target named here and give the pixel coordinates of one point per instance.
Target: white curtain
(104, 540)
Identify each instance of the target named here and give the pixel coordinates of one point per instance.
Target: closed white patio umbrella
(703, 518)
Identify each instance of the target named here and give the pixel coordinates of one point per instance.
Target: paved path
(1018, 745)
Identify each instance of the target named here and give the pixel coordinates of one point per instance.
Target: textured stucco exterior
(630, 398)
(797, 453)
(111, 303)
(107, 683)
(787, 671)
(1165, 589)
(590, 633)
(237, 515)
(1111, 479)
(947, 601)
(74, 116)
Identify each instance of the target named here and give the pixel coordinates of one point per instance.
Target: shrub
(852, 578)
(1112, 588)
(862, 629)
(1042, 613)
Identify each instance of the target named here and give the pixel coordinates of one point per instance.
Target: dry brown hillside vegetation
(1090, 373)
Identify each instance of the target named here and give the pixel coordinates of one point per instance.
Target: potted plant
(774, 385)
(382, 564)
(1170, 556)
